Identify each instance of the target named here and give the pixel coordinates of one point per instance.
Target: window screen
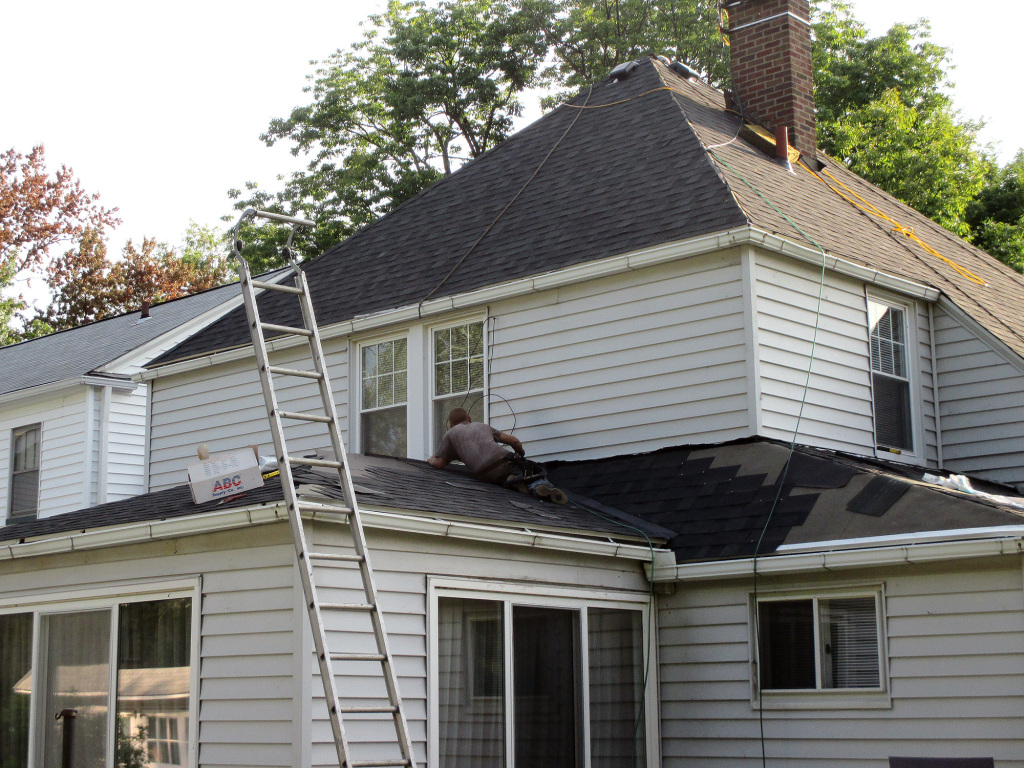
(25, 444)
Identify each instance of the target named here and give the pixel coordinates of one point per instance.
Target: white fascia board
(591, 270)
(899, 551)
(787, 247)
(260, 514)
(123, 385)
(40, 391)
(998, 345)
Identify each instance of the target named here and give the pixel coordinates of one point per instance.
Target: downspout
(103, 439)
(935, 386)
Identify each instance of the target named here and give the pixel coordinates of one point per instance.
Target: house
(77, 422)
(758, 376)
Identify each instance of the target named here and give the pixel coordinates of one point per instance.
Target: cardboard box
(222, 476)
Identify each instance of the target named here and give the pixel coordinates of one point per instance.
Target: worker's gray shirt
(474, 444)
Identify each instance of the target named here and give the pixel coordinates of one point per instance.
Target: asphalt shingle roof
(722, 500)
(633, 164)
(82, 350)
(402, 485)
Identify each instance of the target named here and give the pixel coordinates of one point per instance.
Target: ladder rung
(347, 606)
(274, 287)
(304, 417)
(294, 372)
(335, 558)
(315, 508)
(315, 462)
(378, 763)
(285, 329)
(368, 710)
(357, 657)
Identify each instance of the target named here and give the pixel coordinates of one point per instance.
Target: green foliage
(996, 215)
(588, 38)
(926, 158)
(14, 326)
(424, 90)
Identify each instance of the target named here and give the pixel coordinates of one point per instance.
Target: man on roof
(477, 445)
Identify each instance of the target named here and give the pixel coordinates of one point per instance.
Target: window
(25, 470)
(890, 377)
(458, 374)
(383, 418)
(819, 643)
(538, 682)
(148, 643)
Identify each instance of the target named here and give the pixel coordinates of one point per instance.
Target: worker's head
(458, 416)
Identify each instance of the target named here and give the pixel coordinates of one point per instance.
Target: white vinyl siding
(621, 364)
(62, 478)
(248, 699)
(955, 672)
(223, 407)
(981, 399)
(401, 563)
(126, 444)
(837, 413)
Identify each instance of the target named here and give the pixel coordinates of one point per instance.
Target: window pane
(892, 412)
(25, 493)
(473, 403)
(26, 448)
(15, 688)
(786, 644)
(615, 640)
(471, 683)
(153, 683)
(384, 432)
(77, 676)
(850, 630)
(545, 648)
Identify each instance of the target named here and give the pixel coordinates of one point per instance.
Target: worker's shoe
(516, 483)
(543, 489)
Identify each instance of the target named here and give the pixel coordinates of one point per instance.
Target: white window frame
(357, 386)
(11, 473)
(430, 382)
(42, 603)
(819, 697)
(566, 598)
(909, 309)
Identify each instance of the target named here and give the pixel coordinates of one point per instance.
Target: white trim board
(646, 257)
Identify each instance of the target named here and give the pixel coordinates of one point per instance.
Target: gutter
(888, 551)
(122, 384)
(261, 514)
(614, 265)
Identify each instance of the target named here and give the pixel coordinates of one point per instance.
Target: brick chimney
(772, 73)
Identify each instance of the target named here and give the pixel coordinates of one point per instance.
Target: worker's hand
(519, 449)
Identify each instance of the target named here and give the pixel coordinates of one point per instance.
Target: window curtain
(615, 647)
(471, 683)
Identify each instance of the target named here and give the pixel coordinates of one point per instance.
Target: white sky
(159, 106)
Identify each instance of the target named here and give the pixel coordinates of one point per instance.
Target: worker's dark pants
(516, 466)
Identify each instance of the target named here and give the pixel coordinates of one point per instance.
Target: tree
(37, 212)
(424, 90)
(88, 286)
(996, 215)
(588, 38)
(883, 108)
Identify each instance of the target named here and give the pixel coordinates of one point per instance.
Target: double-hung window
(825, 642)
(537, 681)
(124, 665)
(458, 374)
(383, 423)
(890, 376)
(24, 485)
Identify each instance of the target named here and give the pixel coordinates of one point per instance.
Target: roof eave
(647, 257)
(907, 549)
(262, 514)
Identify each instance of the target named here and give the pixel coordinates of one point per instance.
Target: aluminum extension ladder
(306, 559)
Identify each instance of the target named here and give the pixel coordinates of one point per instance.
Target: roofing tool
(331, 566)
